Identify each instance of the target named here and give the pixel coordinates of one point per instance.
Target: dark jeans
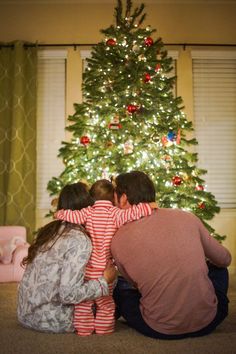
(127, 301)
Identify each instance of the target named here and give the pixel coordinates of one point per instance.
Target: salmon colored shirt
(164, 255)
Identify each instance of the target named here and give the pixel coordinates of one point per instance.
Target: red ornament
(202, 205)
(111, 42)
(132, 108)
(148, 41)
(176, 180)
(164, 140)
(84, 140)
(147, 77)
(167, 158)
(158, 67)
(199, 188)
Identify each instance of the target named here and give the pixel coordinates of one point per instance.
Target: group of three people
(173, 277)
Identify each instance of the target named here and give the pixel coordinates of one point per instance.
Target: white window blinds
(50, 119)
(214, 80)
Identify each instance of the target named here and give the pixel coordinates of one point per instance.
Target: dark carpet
(15, 339)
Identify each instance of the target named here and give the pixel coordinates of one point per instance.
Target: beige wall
(175, 23)
(202, 23)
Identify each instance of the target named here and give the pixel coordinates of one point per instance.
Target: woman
(54, 277)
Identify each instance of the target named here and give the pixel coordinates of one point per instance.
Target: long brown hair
(75, 197)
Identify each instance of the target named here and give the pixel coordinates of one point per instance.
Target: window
(50, 119)
(214, 80)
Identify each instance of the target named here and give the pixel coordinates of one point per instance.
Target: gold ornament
(142, 57)
(54, 202)
(128, 147)
(108, 144)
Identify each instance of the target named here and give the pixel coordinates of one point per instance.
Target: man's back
(164, 255)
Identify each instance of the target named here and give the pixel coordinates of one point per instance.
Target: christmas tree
(131, 120)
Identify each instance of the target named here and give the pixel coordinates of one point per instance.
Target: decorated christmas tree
(130, 119)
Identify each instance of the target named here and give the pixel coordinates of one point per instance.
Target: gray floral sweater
(54, 281)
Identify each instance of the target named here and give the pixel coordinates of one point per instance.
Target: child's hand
(58, 214)
(110, 272)
(153, 205)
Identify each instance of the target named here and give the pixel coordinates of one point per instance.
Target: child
(101, 221)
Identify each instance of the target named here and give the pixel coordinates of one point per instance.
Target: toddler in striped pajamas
(101, 221)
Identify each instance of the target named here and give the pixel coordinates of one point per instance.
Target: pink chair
(13, 248)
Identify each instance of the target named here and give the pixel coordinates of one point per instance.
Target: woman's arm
(73, 288)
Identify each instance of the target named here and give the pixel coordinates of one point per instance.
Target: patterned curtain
(18, 67)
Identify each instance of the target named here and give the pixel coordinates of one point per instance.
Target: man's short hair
(137, 186)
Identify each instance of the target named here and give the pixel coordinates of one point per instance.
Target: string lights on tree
(131, 120)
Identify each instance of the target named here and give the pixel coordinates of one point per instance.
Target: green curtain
(18, 69)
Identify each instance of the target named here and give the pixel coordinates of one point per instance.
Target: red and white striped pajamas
(101, 221)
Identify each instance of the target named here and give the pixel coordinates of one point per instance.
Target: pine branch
(118, 13)
(139, 10)
(128, 8)
(141, 19)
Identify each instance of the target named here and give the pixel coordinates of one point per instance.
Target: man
(174, 293)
